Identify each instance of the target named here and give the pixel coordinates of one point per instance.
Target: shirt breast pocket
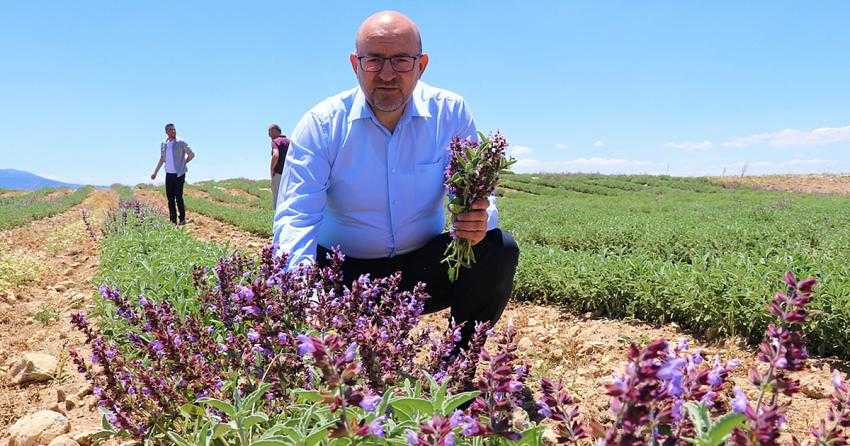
(428, 189)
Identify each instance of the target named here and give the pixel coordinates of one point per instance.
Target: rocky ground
(41, 391)
(43, 400)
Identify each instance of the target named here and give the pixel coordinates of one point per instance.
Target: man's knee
(505, 251)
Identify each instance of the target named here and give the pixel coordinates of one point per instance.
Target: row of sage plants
(266, 356)
(20, 210)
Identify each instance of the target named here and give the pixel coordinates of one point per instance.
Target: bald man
(364, 172)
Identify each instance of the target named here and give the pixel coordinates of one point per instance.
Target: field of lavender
(653, 248)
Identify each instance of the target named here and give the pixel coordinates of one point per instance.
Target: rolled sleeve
(303, 192)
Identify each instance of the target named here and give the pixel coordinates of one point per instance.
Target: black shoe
(182, 223)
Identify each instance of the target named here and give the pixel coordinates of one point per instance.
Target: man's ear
(423, 63)
(354, 62)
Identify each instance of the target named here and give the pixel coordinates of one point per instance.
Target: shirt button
(393, 171)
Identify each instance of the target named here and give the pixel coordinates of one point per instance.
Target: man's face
(388, 90)
(273, 132)
(171, 132)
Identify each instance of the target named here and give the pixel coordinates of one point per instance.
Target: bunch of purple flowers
(471, 175)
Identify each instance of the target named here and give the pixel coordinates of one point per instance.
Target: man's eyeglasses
(401, 64)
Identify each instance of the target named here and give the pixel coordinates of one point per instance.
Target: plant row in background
(21, 209)
(661, 249)
(703, 260)
(248, 353)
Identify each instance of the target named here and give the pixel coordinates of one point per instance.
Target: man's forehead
(388, 45)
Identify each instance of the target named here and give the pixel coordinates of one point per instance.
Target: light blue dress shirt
(349, 181)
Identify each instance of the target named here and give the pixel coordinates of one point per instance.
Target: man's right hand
(153, 176)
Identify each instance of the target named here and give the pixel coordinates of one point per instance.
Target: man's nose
(387, 72)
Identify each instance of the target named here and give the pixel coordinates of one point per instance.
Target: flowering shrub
(471, 175)
(273, 357)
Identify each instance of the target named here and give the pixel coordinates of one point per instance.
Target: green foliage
(47, 313)
(708, 432)
(658, 248)
(150, 256)
(19, 210)
(679, 250)
(125, 193)
(18, 268)
(256, 220)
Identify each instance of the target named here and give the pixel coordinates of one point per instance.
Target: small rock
(592, 347)
(533, 321)
(70, 404)
(60, 395)
(38, 428)
(63, 440)
(32, 367)
(525, 343)
(86, 437)
(86, 390)
(56, 407)
(813, 388)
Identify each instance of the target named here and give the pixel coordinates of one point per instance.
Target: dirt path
(206, 228)
(35, 313)
(581, 351)
(818, 184)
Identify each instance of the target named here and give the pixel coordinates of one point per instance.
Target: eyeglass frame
(384, 62)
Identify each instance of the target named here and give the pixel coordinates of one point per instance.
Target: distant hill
(20, 180)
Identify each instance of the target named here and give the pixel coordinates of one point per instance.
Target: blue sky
(675, 87)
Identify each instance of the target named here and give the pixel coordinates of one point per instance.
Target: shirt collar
(416, 105)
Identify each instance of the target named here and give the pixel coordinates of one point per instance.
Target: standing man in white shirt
(175, 154)
(365, 172)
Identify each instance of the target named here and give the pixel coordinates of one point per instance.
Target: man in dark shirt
(280, 143)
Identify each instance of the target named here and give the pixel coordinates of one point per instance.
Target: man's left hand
(472, 225)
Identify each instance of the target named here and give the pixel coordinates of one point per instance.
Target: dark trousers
(174, 192)
(479, 294)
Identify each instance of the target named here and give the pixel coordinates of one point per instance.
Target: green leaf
(272, 431)
(178, 440)
(724, 426)
(205, 435)
(413, 405)
(191, 410)
(699, 416)
(271, 442)
(293, 433)
(531, 436)
(223, 406)
(221, 429)
(253, 419)
(455, 401)
(316, 436)
(104, 422)
(307, 396)
(255, 396)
